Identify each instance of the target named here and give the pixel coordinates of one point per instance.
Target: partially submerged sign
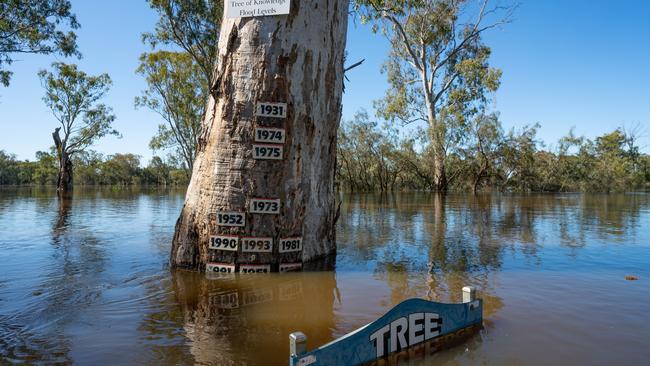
(256, 8)
(410, 323)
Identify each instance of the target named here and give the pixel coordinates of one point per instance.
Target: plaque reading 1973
(265, 205)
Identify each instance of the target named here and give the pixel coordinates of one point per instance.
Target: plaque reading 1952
(231, 219)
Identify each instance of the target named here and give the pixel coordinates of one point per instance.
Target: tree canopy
(192, 25)
(35, 26)
(176, 93)
(73, 97)
(437, 68)
(179, 81)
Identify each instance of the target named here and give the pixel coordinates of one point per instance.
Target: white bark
(295, 59)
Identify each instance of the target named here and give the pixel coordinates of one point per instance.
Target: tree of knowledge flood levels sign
(256, 8)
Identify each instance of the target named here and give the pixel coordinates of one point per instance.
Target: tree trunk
(439, 171)
(295, 59)
(437, 133)
(64, 177)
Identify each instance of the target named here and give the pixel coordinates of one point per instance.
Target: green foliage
(192, 25)
(73, 96)
(366, 155)
(46, 169)
(179, 82)
(34, 26)
(438, 70)
(88, 165)
(8, 169)
(91, 168)
(374, 158)
(120, 169)
(176, 93)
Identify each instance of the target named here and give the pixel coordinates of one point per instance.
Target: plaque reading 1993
(260, 245)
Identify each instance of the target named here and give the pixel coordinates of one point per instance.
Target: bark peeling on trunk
(295, 59)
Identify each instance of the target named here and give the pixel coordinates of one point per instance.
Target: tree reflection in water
(246, 319)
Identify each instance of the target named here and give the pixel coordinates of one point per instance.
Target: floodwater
(87, 282)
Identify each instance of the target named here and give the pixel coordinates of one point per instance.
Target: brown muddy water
(88, 283)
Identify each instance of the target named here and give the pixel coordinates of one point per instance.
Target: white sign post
(255, 8)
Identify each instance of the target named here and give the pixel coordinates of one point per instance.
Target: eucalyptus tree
(367, 155)
(74, 98)
(179, 81)
(175, 91)
(483, 147)
(280, 72)
(34, 26)
(192, 25)
(437, 69)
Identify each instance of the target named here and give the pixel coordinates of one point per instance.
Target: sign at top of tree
(255, 8)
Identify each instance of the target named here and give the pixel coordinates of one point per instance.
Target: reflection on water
(86, 280)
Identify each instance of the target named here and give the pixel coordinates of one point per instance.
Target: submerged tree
(295, 60)
(73, 96)
(33, 26)
(438, 67)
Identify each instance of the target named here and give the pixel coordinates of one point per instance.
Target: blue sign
(411, 322)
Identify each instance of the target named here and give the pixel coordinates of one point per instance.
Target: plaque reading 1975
(267, 152)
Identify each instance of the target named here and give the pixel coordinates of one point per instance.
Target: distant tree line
(484, 156)
(91, 168)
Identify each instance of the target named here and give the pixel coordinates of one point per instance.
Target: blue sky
(582, 64)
